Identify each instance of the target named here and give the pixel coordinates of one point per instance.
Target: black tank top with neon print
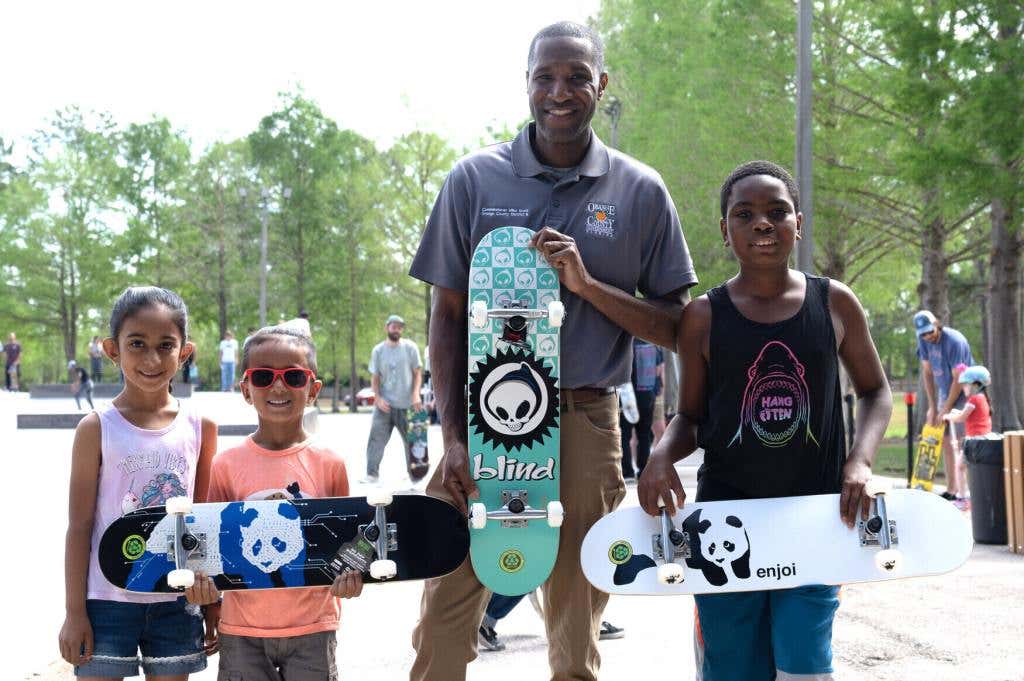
(774, 420)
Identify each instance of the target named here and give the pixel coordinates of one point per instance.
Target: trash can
(988, 499)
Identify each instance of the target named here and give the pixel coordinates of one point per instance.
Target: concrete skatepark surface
(968, 624)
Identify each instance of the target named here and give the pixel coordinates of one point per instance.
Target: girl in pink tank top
(143, 449)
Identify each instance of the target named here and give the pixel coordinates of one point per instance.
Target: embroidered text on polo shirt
(505, 212)
(601, 220)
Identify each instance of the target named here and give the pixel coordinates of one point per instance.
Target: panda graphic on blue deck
(263, 544)
(718, 549)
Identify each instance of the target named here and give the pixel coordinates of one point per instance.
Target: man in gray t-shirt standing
(395, 377)
(607, 224)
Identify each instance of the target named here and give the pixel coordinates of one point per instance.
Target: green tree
(156, 160)
(64, 251)
(419, 163)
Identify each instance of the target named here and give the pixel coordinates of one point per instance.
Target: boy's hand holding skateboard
(658, 481)
(349, 584)
(203, 591)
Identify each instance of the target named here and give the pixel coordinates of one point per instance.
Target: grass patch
(891, 461)
(897, 428)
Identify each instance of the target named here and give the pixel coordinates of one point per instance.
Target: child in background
(278, 634)
(759, 392)
(976, 415)
(145, 447)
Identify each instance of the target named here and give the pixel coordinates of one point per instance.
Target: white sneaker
(370, 480)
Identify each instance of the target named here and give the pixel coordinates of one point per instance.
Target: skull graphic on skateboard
(515, 316)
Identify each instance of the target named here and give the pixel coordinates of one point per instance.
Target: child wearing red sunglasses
(278, 460)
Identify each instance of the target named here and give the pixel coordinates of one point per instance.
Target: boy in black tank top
(759, 392)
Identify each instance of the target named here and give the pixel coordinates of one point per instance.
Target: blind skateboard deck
(513, 366)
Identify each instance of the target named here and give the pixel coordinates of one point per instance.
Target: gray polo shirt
(616, 208)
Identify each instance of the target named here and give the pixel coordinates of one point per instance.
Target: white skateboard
(761, 544)
(627, 402)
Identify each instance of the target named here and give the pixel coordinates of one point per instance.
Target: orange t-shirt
(250, 472)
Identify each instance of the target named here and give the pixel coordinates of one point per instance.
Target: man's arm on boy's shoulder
(874, 399)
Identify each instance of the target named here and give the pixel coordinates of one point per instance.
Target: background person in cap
(940, 350)
(396, 373)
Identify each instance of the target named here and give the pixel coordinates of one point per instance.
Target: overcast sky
(214, 68)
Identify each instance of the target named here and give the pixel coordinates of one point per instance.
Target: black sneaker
(947, 496)
(489, 639)
(609, 631)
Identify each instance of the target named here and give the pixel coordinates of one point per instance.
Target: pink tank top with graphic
(140, 468)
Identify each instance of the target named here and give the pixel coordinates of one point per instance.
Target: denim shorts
(765, 635)
(169, 637)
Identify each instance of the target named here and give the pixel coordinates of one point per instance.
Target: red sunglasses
(263, 377)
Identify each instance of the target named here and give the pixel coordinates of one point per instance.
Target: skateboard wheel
(670, 573)
(181, 579)
(478, 516)
(383, 569)
(178, 505)
(876, 486)
(556, 313)
(378, 497)
(478, 311)
(556, 514)
(888, 560)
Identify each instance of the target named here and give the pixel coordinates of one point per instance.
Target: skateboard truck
(383, 541)
(670, 572)
(479, 314)
(516, 511)
(878, 530)
(184, 543)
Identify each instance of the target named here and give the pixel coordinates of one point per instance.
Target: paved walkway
(966, 625)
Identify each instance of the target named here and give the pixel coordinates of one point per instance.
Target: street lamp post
(264, 199)
(265, 196)
(804, 133)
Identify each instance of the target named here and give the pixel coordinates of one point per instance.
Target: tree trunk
(222, 289)
(1004, 351)
(933, 290)
(301, 283)
(352, 326)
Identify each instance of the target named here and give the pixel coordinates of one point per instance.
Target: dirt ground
(965, 625)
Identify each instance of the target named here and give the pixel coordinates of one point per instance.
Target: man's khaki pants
(445, 638)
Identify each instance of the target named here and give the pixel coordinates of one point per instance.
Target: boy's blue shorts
(169, 637)
(764, 635)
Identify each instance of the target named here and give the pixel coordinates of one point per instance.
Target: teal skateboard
(515, 315)
(417, 460)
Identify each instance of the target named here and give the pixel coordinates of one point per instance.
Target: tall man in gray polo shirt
(608, 225)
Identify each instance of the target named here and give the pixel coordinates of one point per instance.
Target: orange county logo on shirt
(601, 219)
